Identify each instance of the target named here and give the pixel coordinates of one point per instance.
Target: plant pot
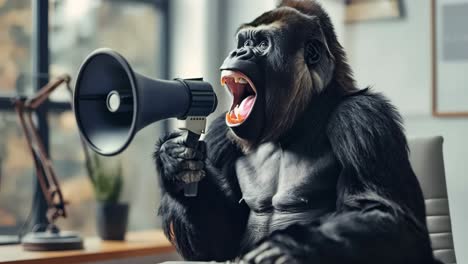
(111, 220)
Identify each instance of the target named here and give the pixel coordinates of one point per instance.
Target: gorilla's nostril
(245, 54)
(241, 52)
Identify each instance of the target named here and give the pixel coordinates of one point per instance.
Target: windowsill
(137, 244)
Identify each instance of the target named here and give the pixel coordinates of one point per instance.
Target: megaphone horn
(112, 103)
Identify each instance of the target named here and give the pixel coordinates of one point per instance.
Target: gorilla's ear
(317, 46)
(312, 52)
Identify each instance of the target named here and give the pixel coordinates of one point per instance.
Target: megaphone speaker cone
(102, 78)
(112, 102)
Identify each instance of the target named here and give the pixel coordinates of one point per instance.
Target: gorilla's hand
(282, 246)
(177, 163)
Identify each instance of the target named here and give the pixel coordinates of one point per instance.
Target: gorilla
(304, 167)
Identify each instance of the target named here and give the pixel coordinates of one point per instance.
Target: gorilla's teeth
(242, 80)
(236, 111)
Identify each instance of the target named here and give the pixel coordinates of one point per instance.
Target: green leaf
(107, 182)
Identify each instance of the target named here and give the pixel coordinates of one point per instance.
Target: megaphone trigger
(191, 140)
(195, 126)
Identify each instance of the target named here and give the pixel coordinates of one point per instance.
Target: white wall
(189, 38)
(395, 58)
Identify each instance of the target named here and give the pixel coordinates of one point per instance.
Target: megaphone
(112, 103)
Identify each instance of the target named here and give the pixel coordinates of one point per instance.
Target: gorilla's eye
(249, 43)
(263, 46)
(312, 52)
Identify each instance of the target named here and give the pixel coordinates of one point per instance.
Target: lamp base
(52, 241)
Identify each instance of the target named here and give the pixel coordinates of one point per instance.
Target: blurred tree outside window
(16, 174)
(15, 46)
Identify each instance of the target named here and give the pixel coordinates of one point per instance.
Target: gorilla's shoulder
(220, 146)
(366, 109)
(366, 125)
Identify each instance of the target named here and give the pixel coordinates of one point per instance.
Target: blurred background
(390, 49)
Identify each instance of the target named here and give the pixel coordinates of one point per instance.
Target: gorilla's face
(282, 59)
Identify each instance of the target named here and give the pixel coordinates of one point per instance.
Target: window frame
(40, 64)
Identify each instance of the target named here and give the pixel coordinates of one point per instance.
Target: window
(15, 46)
(136, 29)
(16, 178)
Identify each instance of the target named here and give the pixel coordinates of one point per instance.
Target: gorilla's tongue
(243, 110)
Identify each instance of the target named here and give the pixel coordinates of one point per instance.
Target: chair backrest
(428, 163)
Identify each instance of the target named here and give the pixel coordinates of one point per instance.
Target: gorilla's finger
(188, 153)
(191, 176)
(268, 256)
(169, 164)
(193, 165)
(169, 149)
(250, 257)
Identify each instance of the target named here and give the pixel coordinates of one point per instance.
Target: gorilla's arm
(379, 214)
(209, 226)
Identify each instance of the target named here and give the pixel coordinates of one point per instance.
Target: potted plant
(107, 180)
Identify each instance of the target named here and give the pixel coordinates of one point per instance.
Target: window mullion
(40, 67)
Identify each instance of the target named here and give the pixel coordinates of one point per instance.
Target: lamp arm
(43, 165)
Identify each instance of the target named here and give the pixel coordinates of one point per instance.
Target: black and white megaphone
(112, 103)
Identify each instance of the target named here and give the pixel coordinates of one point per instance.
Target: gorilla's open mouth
(244, 95)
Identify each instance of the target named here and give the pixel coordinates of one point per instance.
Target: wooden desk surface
(137, 244)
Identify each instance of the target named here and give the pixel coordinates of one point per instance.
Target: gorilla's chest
(282, 187)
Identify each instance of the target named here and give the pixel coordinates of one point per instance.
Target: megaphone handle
(191, 189)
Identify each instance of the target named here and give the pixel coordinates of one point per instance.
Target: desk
(137, 244)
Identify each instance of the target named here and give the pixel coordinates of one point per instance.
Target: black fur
(335, 187)
(375, 215)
